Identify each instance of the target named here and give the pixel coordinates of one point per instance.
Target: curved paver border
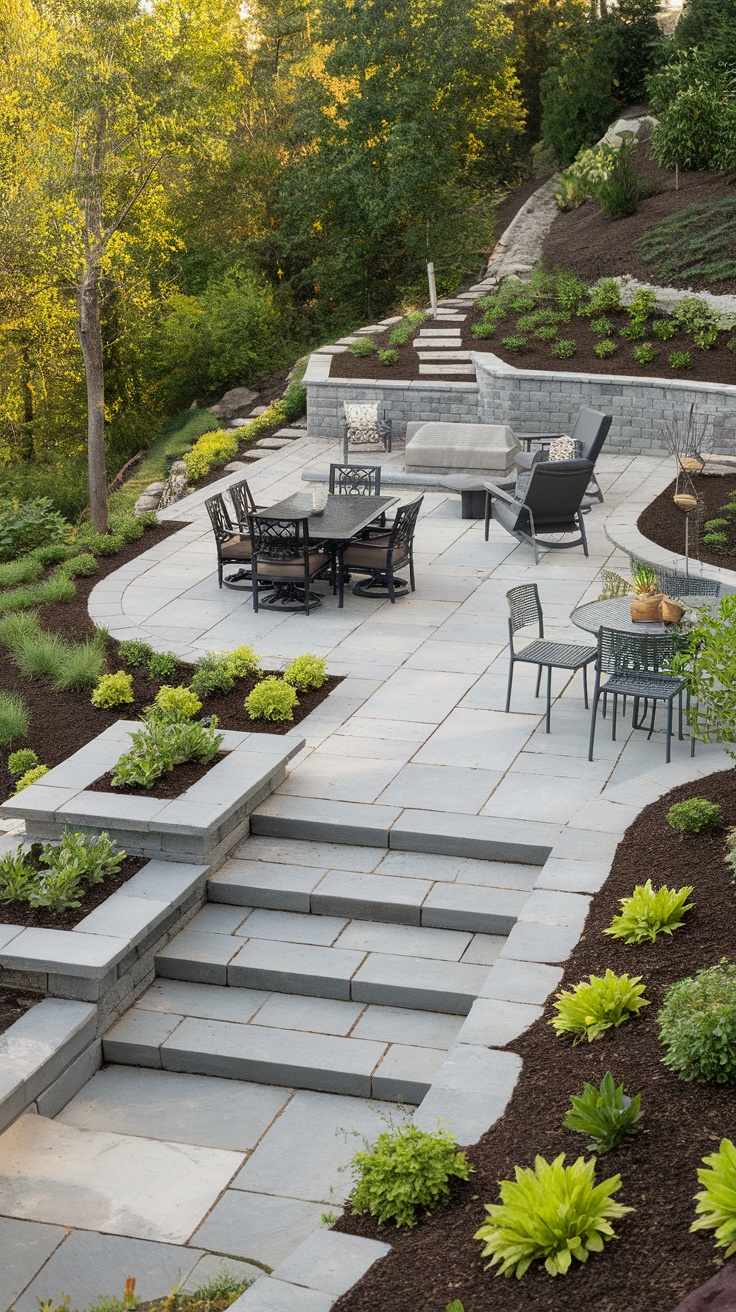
(621, 529)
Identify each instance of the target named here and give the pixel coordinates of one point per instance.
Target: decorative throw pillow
(564, 448)
(362, 422)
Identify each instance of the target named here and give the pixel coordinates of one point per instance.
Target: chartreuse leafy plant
(407, 1168)
(694, 815)
(306, 671)
(646, 914)
(707, 661)
(14, 718)
(598, 1004)
(716, 1203)
(163, 744)
(697, 1025)
(551, 1213)
(271, 699)
(24, 759)
(173, 704)
(31, 776)
(113, 690)
(242, 661)
(607, 1115)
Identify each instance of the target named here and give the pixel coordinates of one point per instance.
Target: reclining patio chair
(590, 431)
(550, 503)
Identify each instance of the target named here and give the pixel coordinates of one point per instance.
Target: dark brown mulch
(14, 1003)
(595, 247)
(19, 913)
(169, 786)
(663, 523)
(656, 1261)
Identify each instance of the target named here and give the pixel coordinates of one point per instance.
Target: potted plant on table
(647, 600)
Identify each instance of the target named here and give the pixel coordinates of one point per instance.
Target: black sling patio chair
(590, 430)
(525, 609)
(637, 663)
(550, 503)
(381, 556)
(233, 547)
(285, 563)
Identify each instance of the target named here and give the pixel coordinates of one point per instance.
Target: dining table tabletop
(342, 517)
(615, 613)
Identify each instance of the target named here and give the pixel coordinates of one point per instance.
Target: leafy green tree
(709, 25)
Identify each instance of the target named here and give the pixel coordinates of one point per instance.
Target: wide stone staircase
(326, 965)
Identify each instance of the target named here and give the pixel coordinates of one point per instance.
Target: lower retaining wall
(455, 403)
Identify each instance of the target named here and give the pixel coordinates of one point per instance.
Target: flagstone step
(430, 356)
(467, 370)
(437, 343)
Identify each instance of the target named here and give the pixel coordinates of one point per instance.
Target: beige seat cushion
(237, 549)
(375, 555)
(292, 569)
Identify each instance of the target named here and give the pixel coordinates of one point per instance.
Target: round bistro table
(616, 614)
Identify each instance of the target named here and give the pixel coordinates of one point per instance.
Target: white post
(677, 177)
(432, 289)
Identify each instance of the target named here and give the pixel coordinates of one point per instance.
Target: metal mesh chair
(673, 584)
(381, 556)
(285, 563)
(525, 609)
(233, 547)
(636, 663)
(355, 480)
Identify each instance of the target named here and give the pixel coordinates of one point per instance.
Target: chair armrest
(502, 494)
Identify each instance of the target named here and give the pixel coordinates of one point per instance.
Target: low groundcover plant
(694, 815)
(552, 1213)
(407, 1168)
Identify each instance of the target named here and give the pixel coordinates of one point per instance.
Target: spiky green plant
(14, 718)
(716, 1204)
(646, 913)
(551, 1213)
(598, 1004)
(607, 1115)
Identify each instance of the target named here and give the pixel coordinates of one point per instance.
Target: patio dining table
(615, 613)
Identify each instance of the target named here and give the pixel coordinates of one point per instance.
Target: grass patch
(697, 242)
(15, 572)
(176, 438)
(13, 718)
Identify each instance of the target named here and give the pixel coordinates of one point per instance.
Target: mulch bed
(663, 523)
(656, 1261)
(19, 913)
(170, 785)
(14, 1003)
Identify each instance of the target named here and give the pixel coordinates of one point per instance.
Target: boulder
(145, 504)
(233, 403)
(234, 467)
(175, 486)
(717, 1294)
(641, 127)
(154, 489)
(440, 448)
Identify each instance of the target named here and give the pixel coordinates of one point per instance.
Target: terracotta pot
(646, 608)
(671, 611)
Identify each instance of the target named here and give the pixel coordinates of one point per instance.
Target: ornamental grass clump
(646, 914)
(606, 1114)
(14, 718)
(306, 671)
(113, 690)
(694, 815)
(407, 1168)
(81, 665)
(551, 1213)
(272, 699)
(716, 1204)
(601, 1003)
(697, 1025)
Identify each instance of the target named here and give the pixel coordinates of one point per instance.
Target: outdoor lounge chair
(233, 547)
(284, 563)
(381, 555)
(591, 430)
(525, 609)
(550, 503)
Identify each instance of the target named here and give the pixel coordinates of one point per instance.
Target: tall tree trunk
(28, 416)
(89, 331)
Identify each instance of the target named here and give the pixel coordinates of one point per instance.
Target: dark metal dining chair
(636, 663)
(243, 503)
(355, 480)
(284, 563)
(550, 503)
(233, 547)
(590, 430)
(380, 556)
(524, 609)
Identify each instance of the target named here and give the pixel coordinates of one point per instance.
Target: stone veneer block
(331, 1262)
(453, 834)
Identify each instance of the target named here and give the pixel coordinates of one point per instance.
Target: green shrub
(81, 666)
(546, 332)
(173, 704)
(17, 876)
(242, 661)
(483, 329)
(24, 759)
(163, 744)
(212, 676)
(107, 544)
(695, 242)
(306, 671)
(707, 661)
(135, 653)
(664, 329)
(731, 343)
(553, 1213)
(691, 313)
(406, 328)
(697, 1025)
(28, 524)
(163, 665)
(57, 877)
(31, 777)
(715, 525)
(127, 526)
(24, 570)
(643, 305)
(210, 450)
(589, 1009)
(645, 354)
(564, 349)
(607, 1115)
(646, 914)
(716, 542)
(113, 690)
(271, 699)
(602, 327)
(81, 566)
(295, 401)
(515, 342)
(705, 338)
(605, 348)
(716, 1204)
(571, 291)
(679, 359)
(14, 718)
(388, 356)
(633, 332)
(364, 346)
(694, 815)
(407, 1168)
(605, 297)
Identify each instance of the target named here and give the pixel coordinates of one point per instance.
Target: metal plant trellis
(687, 441)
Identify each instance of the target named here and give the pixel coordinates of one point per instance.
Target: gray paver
(521, 981)
(292, 927)
(418, 982)
(62, 951)
(535, 941)
(370, 897)
(210, 1267)
(574, 876)
(208, 1001)
(406, 1073)
(494, 1023)
(425, 1029)
(273, 1056)
(468, 906)
(132, 918)
(370, 936)
(219, 918)
(24, 1247)
(551, 907)
(306, 817)
(295, 968)
(138, 1035)
(471, 1091)
(269, 1295)
(321, 1015)
(264, 884)
(89, 1265)
(202, 958)
(484, 949)
(255, 1226)
(330, 1261)
(184, 1108)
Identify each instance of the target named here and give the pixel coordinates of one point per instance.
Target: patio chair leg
(667, 751)
(411, 573)
(654, 712)
(605, 705)
(679, 715)
(391, 588)
(585, 686)
(340, 580)
(511, 680)
(488, 513)
(539, 680)
(549, 696)
(613, 717)
(594, 712)
(582, 533)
